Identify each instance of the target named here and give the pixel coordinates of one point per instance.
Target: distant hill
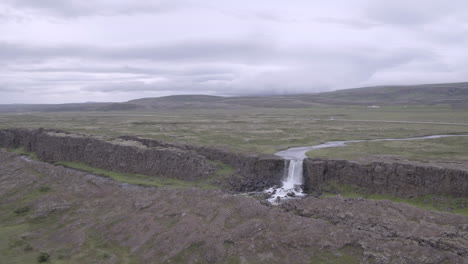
(453, 94)
(177, 99)
(75, 107)
(426, 94)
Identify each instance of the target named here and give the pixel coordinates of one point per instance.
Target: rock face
(396, 179)
(116, 155)
(79, 215)
(252, 172)
(145, 156)
(259, 173)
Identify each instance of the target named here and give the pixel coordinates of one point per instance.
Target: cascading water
(291, 184)
(295, 156)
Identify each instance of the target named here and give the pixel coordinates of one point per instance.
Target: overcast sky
(58, 51)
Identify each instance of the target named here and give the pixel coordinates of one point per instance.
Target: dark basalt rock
(252, 172)
(146, 156)
(396, 179)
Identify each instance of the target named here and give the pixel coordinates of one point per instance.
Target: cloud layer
(56, 51)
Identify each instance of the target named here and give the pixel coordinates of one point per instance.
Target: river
(293, 179)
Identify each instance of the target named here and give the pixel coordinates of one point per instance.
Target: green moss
(44, 188)
(194, 252)
(223, 169)
(19, 204)
(138, 179)
(22, 151)
(13, 248)
(233, 260)
(97, 249)
(428, 202)
(22, 210)
(346, 255)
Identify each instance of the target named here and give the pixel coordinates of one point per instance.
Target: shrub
(43, 257)
(22, 210)
(44, 189)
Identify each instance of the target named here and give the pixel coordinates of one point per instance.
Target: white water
(291, 184)
(294, 178)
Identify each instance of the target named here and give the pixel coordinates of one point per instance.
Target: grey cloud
(209, 52)
(310, 69)
(225, 47)
(347, 22)
(123, 87)
(186, 51)
(6, 87)
(78, 8)
(415, 12)
(214, 78)
(90, 69)
(180, 70)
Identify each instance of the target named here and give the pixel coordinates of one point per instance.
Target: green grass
(427, 202)
(253, 130)
(22, 151)
(426, 150)
(14, 249)
(97, 249)
(139, 179)
(346, 255)
(223, 170)
(194, 251)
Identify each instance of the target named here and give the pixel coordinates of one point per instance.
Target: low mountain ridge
(452, 94)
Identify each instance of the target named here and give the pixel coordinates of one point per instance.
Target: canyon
(74, 216)
(250, 172)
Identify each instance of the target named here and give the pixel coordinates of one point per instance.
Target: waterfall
(291, 185)
(294, 174)
(293, 179)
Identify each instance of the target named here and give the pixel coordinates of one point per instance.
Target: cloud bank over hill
(59, 51)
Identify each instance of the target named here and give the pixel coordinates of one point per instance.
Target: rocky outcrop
(396, 179)
(394, 225)
(111, 154)
(146, 156)
(259, 174)
(252, 172)
(159, 225)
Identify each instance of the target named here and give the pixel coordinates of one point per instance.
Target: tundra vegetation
(64, 207)
(266, 130)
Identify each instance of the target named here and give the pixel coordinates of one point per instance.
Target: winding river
(291, 185)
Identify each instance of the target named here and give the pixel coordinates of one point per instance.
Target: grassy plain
(452, 149)
(265, 130)
(251, 130)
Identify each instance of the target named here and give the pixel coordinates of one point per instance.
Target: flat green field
(427, 150)
(262, 130)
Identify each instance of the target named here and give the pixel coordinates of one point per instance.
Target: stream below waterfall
(294, 157)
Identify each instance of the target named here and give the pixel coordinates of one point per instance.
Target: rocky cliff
(81, 218)
(250, 172)
(396, 179)
(111, 154)
(145, 156)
